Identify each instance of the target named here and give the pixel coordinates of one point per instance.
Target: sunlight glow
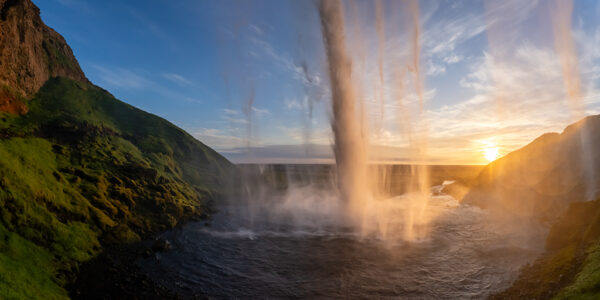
(491, 154)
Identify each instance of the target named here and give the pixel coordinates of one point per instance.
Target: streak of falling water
(561, 13)
(356, 188)
(380, 87)
(350, 147)
(418, 143)
(502, 19)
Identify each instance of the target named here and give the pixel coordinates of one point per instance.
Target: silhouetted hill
(542, 178)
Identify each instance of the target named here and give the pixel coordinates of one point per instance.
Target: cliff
(31, 52)
(79, 169)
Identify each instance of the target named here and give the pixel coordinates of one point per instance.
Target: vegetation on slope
(83, 169)
(570, 267)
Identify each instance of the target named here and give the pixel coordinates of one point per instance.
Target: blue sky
(242, 75)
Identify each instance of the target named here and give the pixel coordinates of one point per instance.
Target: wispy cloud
(133, 79)
(219, 139)
(441, 37)
(295, 104)
(230, 112)
(505, 101)
(298, 71)
(434, 69)
(260, 112)
(452, 59)
(257, 29)
(516, 100)
(177, 79)
(121, 77)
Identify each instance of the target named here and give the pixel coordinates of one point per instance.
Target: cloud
(219, 139)
(230, 112)
(192, 100)
(441, 36)
(294, 104)
(177, 79)
(121, 77)
(257, 29)
(508, 100)
(452, 59)
(434, 69)
(260, 112)
(516, 100)
(235, 120)
(298, 71)
(303, 135)
(129, 79)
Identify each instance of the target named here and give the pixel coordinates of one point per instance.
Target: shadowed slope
(542, 178)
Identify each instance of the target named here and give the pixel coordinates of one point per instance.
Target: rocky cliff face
(542, 178)
(30, 51)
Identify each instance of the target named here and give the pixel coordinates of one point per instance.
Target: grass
(28, 269)
(587, 283)
(83, 169)
(570, 267)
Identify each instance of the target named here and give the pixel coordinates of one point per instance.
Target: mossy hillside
(83, 169)
(570, 267)
(587, 282)
(28, 270)
(61, 99)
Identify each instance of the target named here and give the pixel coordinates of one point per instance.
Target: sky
(249, 78)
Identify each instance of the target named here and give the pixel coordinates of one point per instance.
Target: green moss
(27, 270)
(587, 283)
(570, 268)
(83, 169)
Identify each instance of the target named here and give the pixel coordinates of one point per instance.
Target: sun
(491, 153)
